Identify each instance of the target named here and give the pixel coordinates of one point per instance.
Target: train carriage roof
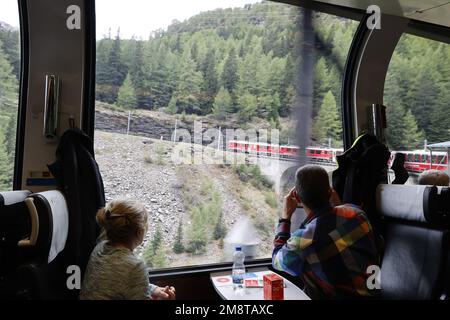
(442, 146)
(431, 11)
(429, 18)
(420, 152)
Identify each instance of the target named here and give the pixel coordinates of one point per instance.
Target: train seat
(42, 275)
(416, 221)
(14, 226)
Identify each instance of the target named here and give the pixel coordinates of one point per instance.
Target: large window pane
(9, 88)
(417, 93)
(199, 117)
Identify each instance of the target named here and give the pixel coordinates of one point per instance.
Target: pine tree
(223, 104)
(188, 90)
(10, 136)
(157, 240)
(159, 259)
(327, 124)
(172, 107)
(219, 230)
(402, 131)
(8, 83)
(274, 109)
(252, 71)
(413, 137)
(178, 246)
(138, 78)
(197, 234)
(6, 167)
(126, 97)
(422, 95)
(230, 72)
(321, 84)
(248, 105)
(210, 82)
(102, 74)
(117, 71)
(11, 48)
(439, 130)
(287, 88)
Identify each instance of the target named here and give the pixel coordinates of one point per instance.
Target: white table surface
(223, 284)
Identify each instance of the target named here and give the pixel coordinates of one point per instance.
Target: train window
(416, 93)
(9, 88)
(175, 83)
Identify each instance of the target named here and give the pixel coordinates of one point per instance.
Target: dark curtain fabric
(78, 177)
(360, 170)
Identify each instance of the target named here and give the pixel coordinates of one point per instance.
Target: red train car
(420, 161)
(314, 154)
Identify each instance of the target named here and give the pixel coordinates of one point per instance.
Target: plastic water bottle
(238, 271)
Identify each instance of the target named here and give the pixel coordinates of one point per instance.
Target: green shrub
(271, 199)
(178, 246)
(155, 259)
(203, 217)
(206, 187)
(155, 253)
(252, 173)
(220, 230)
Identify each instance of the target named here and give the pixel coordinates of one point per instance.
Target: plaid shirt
(330, 252)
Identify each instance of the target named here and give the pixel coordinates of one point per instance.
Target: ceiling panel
(431, 11)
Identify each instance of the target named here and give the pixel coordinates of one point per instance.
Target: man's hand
(166, 293)
(334, 198)
(290, 204)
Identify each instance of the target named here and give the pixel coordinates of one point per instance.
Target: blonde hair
(434, 177)
(122, 219)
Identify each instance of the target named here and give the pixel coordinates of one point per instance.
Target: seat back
(14, 226)
(416, 241)
(41, 275)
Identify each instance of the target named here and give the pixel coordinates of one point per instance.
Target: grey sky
(135, 17)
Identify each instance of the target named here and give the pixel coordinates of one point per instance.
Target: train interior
(203, 112)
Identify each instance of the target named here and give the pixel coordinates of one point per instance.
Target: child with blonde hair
(114, 272)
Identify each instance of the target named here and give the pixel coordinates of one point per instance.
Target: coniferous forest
(243, 62)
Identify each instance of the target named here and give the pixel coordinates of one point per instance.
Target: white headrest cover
(401, 201)
(13, 197)
(60, 214)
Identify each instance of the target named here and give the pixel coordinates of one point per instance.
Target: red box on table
(273, 287)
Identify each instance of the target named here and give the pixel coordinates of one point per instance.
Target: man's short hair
(434, 177)
(312, 186)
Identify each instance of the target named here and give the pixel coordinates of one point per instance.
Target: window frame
(347, 123)
(23, 94)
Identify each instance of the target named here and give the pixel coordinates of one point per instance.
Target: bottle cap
(238, 248)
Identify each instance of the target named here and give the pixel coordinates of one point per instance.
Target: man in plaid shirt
(333, 247)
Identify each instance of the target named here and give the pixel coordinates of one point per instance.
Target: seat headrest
(14, 217)
(418, 203)
(8, 198)
(49, 223)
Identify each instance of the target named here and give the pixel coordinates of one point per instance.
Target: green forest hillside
(244, 61)
(9, 75)
(241, 60)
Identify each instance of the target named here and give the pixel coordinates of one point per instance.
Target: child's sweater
(114, 274)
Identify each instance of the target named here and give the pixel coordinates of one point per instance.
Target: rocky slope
(142, 168)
